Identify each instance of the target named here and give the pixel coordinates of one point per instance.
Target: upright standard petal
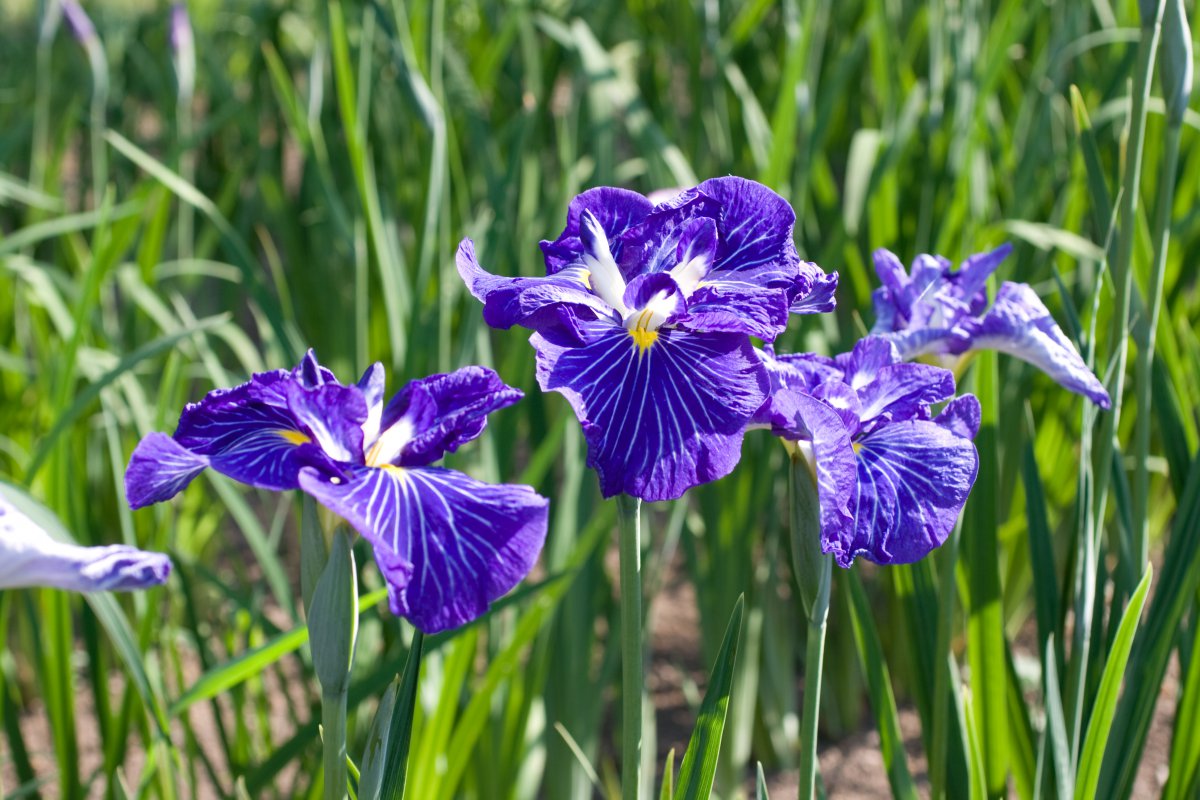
(615, 209)
(438, 414)
(1019, 324)
(913, 480)
(448, 545)
(29, 556)
(662, 415)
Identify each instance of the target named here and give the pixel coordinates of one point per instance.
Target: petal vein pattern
(449, 545)
(661, 419)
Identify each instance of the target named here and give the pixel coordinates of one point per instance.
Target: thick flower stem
(814, 574)
(814, 661)
(333, 732)
(632, 663)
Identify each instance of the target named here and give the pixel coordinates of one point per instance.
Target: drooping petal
(961, 416)
(552, 305)
(615, 210)
(913, 480)
(1019, 324)
(448, 545)
(659, 417)
(438, 414)
(29, 556)
(159, 469)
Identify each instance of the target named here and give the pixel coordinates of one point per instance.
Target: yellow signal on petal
(293, 437)
(643, 338)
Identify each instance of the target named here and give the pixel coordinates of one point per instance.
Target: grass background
(311, 192)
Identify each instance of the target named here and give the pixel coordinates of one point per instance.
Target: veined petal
(159, 469)
(820, 298)
(448, 545)
(729, 305)
(252, 442)
(553, 303)
(438, 414)
(1019, 324)
(755, 229)
(615, 210)
(30, 557)
(332, 416)
(659, 416)
(684, 226)
(913, 480)
(904, 391)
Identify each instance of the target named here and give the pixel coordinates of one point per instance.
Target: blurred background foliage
(311, 192)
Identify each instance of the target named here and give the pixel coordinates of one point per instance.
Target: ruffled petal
(615, 210)
(439, 414)
(29, 556)
(658, 418)
(686, 225)
(447, 544)
(904, 391)
(913, 480)
(820, 298)
(733, 306)
(1019, 324)
(755, 230)
(159, 469)
(551, 305)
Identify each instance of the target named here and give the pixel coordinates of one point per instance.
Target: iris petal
(662, 418)
(913, 480)
(444, 412)
(159, 469)
(30, 557)
(1019, 324)
(615, 210)
(448, 545)
(551, 305)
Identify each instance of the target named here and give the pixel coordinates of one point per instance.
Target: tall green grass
(312, 194)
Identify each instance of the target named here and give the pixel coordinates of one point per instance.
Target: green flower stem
(632, 662)
(333, 741)
(813, 571)
(814, 662)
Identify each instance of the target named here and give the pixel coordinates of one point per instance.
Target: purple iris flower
(448, 544)
(891, 478)
(643, 322)
(29, 556)
(933, 309)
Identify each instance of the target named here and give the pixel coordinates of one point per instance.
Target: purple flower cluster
(891, 477)
(934, 310)
(643, 322)
(447, 544)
